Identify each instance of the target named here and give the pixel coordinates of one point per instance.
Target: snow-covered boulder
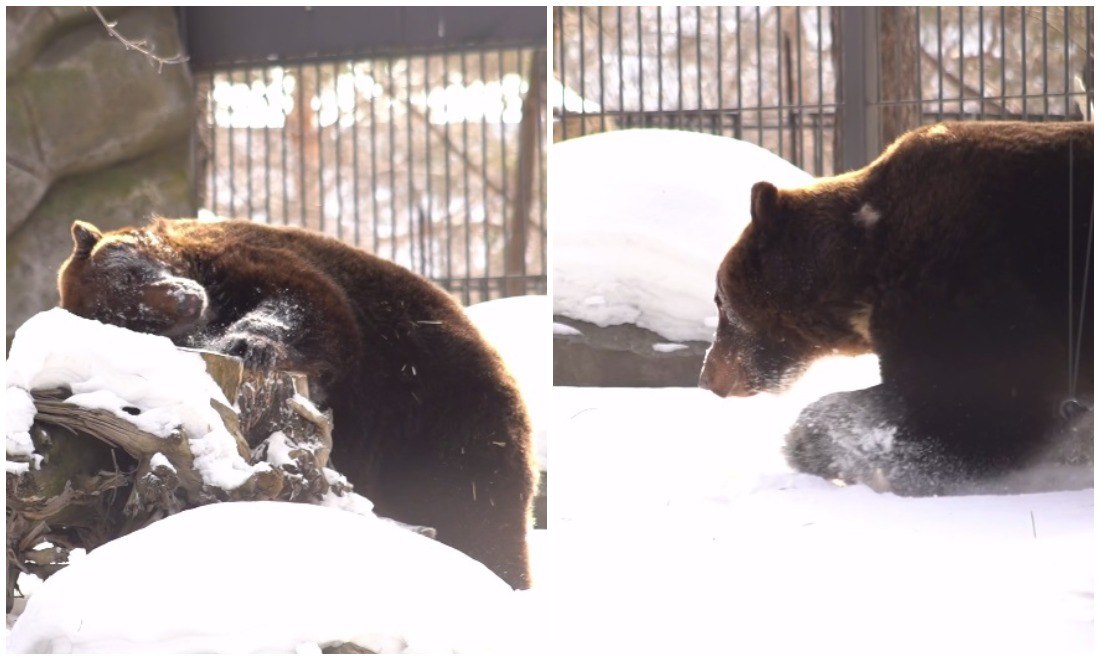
(641, 219)
(250, 577)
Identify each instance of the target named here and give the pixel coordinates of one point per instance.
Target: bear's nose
(190, 307)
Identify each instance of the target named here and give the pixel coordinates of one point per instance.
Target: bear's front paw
(810, 448)
(259, 353)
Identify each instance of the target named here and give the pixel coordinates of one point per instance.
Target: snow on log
(109, 430)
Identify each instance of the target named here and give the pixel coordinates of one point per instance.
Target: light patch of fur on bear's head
(938, 129)
(861, 323)
(867, 215)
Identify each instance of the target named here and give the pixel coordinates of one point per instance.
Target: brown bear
(428, 423)
(962, 257)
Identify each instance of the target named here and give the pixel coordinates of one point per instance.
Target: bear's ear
(85, 236)
(765, 205)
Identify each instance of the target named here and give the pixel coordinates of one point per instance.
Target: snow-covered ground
(639, 220)
(678, 529)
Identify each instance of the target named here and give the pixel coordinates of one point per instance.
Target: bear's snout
(724, 377)
(181, 302)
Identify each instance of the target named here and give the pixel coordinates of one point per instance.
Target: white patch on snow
(642, 219)
(867, 215)
(563, 329)
(110, 368)
(278, 449)
(669, 347)
(20, 411)
(396, 591)
(160, 460)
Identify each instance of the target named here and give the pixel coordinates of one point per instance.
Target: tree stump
(103, 477)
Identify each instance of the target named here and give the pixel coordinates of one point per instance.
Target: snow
(516, 328)
(681, 530)
(563, 329)
(273, 577)
(142, 378)
(641, 220)
(668, 347)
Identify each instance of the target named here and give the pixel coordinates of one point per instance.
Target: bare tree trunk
(899, 60)
(838, 69)
(516, 235)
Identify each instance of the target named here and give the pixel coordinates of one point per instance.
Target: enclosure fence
(824, 87)
(433, 160)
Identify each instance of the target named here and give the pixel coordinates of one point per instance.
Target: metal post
(859, 113)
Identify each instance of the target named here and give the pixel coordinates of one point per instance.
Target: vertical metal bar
(285, 171)
(485, 181)
(1089, 18)
(410, 202)
(355, 71)
(660, 63)
(448, 261)
(248, 142)
(466, 179)
(819, 146)
(216, 132)
(1046, 72)
(504, 181)
(920, 84)
(619, 28)
(801, 146)
(641, 68)
(1023, 61)
(563, 122)
(374, 213)
(759, 82)
(584, 96)
(320, 151)
(429, 248)
(1065, 61)
(740, 103)
(962, 67)
(718, 62)
(854, 111)
(336, 158)
(390, 148)
(301, 145)
(679, 67)
(1004, 60)
(779, 76)
(267, 145)
(981, 62)
(699, 64)
(231, 150)
(939, 58)
(542, 177)
(599, 51)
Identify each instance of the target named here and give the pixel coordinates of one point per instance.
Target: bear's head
(127, 278)
(789, 290)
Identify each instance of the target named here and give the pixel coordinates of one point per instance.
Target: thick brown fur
(948, 256)
(429, 424)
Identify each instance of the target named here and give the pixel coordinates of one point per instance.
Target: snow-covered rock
(274, 577)
(640, 220)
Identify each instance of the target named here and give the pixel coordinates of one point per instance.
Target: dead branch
(142, 46)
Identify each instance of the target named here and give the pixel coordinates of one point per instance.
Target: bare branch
(141, 46)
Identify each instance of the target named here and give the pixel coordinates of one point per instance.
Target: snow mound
(642, 219)
(144, 379)
(248, 577)
(516, 328)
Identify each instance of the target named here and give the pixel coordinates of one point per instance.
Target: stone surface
(623, 356)
(87, 102)
(110, 198)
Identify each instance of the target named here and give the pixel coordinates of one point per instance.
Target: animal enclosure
(431, 157)
(824, 87)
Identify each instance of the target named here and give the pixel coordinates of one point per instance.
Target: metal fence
(826, 88)
(433, 160)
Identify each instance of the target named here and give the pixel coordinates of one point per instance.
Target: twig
(141, 46)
